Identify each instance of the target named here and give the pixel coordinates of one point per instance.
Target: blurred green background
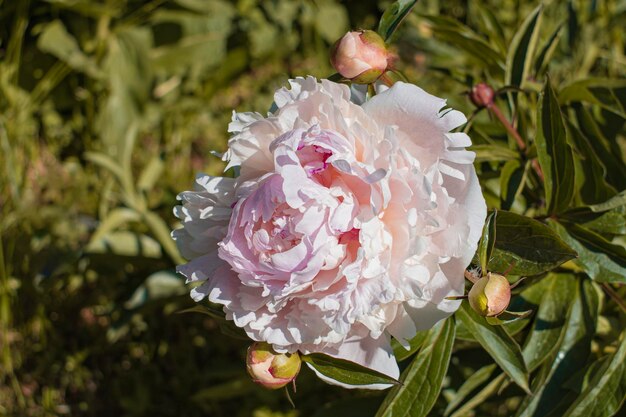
(108, 108)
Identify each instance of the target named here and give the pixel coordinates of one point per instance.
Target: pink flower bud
(360, 56)
(490, 295)
(270, 369)
(482, 95)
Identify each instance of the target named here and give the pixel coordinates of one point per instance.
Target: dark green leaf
(589, 171)
(548, 325)
(608, 150)
(496, 384)
(512, 179)
(544, 57)
(607, 93)
(601, 259)
(487, 241)
(422, 380)
(572, 353)
(530, 245)
(554, 153)
(346, 371)
(393, 16)
(606, 391)
(522, 49)
(477, 379)
(497, 342)
(414, 345)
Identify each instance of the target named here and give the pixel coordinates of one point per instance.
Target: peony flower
(360, 56)
(349, 224)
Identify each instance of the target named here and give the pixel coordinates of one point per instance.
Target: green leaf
(151, 174)
(205, 309)
(519, 60)
(493, 153)
(161, 232)
(554, 153)
(57, 41)
(393, 15)
(422, 379)
(608, 150)
(544, 57)
(496, 341)
(125, 243)
(601, 259)
(614, 202)
(161, 284)
(467, 41)
(414, 345)
(605, 92)
(487, 241)
(345, 371)
(548, 325)
(609, 223)
(114, 220)
(589, 171)
(475, 380)
(573, 351)
(606, 391)
(489, 25)
(512, 180)
(529, 245)
(496, 384)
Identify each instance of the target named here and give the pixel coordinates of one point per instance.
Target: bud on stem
(270, 369)
(361, 56)
(490, 295)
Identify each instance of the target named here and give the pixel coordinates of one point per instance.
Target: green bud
(490, 295)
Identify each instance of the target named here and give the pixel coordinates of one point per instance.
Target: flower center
(313, 158)
(276, 235)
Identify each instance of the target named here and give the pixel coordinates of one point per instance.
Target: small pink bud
(482, 95)
(360, 56)
(270, 369)
(490, 295)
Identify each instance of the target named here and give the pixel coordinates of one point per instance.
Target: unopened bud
(270, 369)
(490, 295)
(360, 56)
(482, 95)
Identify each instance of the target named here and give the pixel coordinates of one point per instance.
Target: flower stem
(614, 296)
(495, 110)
